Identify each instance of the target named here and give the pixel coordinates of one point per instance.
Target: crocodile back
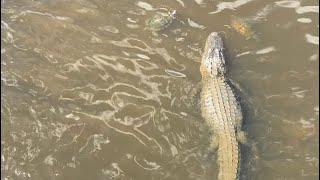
(219, 104)
(223, 114)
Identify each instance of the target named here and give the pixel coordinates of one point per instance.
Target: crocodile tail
(229, 159)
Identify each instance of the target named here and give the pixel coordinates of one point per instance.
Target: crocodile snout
(214, 41)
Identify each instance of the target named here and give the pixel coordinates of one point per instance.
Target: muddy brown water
(88, 93)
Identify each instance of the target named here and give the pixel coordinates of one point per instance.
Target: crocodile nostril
(214, 34)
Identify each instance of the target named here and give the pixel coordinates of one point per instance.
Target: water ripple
(307, 9)
(84, 86)
(297, 6)
(312, 39)
(304, 20)
(145, 5)
(230, 5)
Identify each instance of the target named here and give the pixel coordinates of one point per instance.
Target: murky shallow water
(87, 93)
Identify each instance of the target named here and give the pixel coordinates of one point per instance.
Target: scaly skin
(220, 109)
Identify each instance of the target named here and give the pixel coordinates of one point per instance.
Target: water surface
(88, 93)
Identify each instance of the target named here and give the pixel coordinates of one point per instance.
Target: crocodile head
(213, 63)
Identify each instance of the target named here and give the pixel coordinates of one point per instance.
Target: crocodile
(221, 109)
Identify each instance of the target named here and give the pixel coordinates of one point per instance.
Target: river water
(88, 93)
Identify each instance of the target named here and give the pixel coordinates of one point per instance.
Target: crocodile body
(220, 109)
